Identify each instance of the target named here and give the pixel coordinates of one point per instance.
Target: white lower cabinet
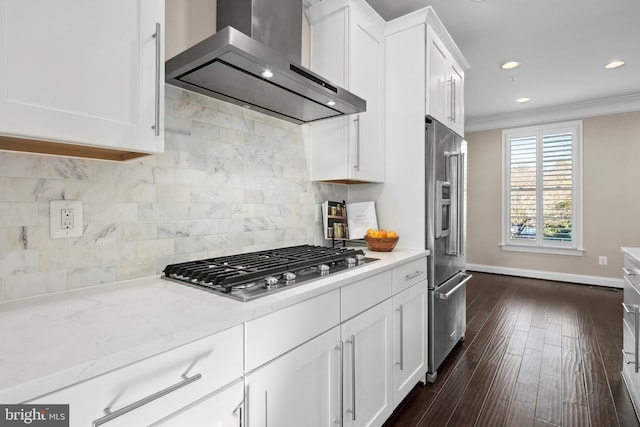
(347, 357)
(367, 367)
(305, 386)
(222, 408)
(173, 382)
(409, 340)
(631, 330)
(300, 388)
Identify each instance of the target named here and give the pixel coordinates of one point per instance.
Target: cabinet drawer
(222, 408)
(359, 296)
(278, 332)
(631, 302)
(409, 274)
(175, 378)
(632, 271)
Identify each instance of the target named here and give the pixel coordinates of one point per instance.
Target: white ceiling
(562, 46)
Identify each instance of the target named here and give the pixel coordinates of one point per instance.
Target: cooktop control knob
(270, 282)
(289, 278)
(350, 261)
(360, 259)
(323, 269)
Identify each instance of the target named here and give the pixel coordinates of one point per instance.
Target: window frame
(539, 245)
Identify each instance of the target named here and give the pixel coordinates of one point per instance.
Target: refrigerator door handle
(461, 210)
(455, 173)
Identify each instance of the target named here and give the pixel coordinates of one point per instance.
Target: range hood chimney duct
(254, 61)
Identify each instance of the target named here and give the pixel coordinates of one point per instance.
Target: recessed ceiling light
(521, 100)
(331, 103)
(267, 74)
(614, 64)
(509, 65)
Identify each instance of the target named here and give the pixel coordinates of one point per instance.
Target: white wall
(611, 169)
(187, 22)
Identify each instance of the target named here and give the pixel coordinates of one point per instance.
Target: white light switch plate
(65, 218)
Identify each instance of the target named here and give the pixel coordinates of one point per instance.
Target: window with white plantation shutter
(542, 201)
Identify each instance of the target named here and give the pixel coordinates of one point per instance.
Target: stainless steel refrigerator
(445, 229)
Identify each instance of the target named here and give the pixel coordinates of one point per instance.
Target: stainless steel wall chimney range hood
(253, 61)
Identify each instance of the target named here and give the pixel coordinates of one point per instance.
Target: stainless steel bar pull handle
(453, 99)
(631, 272)
(266, 409)
(238, 412)
(352, 341)
(636, 321)
(340, 348)
(356, 121)
(158, 38)
(450, 84)
(135, 405)
(413, 275)
(401, 311)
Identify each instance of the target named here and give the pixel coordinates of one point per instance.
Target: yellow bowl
(378, 244)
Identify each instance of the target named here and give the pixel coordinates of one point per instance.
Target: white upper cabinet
(437, 65)
(347, 48)
(82, 78)
(445, 85)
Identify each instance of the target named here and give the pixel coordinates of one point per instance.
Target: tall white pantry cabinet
(82, 78)
(419, 58)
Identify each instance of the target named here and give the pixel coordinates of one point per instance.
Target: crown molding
(600, 107)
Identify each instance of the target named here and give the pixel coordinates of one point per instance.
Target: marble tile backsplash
(230, 180)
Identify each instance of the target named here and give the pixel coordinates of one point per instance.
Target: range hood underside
(228, 66)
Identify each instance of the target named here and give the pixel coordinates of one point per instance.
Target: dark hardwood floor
(536, 353)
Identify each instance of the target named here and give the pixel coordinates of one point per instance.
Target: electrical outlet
(65, 218)
(602, 260)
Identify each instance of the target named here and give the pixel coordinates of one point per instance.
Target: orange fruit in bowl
(392, 234)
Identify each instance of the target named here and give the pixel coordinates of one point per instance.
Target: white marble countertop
(51, 341)
(632, 252)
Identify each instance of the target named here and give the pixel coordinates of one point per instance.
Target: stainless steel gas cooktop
(255, 274)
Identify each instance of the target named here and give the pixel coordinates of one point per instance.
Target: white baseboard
(610, 282)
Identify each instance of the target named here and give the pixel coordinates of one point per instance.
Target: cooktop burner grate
(226, 272)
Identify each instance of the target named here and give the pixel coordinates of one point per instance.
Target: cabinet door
(409, 343)
(330, 138)
(223, 408)
(83, 72)
(300, 388)
(438, 84)
(347, 48)
(366, 64)
(367, 367)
